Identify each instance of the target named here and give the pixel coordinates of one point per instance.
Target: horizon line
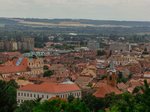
(119, 20)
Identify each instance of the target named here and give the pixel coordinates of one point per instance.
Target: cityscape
(74, 65)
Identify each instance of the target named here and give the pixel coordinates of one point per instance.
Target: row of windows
(37, 72)
(32, 95)
(76, 94)
(36, 63)
(20, 101)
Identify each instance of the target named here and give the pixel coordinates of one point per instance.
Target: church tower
(112, 75)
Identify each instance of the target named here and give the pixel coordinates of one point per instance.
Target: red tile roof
(105, 89)
(10, 66)
(50, 88)
(12, 69)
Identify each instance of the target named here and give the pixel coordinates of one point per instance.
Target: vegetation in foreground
(139, 101)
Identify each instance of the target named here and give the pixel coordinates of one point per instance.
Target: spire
(112, 67)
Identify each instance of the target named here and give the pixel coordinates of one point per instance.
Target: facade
(1, 45)
(36, 66)
(30, 66)
(119, 47)
(122, 59)
(93, 45)
(23, 44)
(14, 46)
(46, 91)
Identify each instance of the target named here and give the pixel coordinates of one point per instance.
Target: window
(18, 94)
(110, 78)
(47, 96)
(30, 95)
(21, 94)
(27, 94)
(42, 96)
(24, 94)
(34, 95)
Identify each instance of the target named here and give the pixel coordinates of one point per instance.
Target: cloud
(95, 9)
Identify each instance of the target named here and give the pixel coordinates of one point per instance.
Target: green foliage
(8, 96)
(48, 73)
(45, 67)
(130, 103)
(64, 47)
(70, 98)
(58, 105)
(101, 53)
(93, 103)
(121, 78)
(27, 106)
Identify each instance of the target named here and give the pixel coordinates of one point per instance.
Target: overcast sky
(77, 9)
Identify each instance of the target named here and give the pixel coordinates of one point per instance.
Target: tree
(48, 73)
(93, 103)
(70, 98)
(45, 67)
(101, 53)
(8, 96)
(27, 106)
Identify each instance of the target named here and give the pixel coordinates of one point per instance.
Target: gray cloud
(94, 9)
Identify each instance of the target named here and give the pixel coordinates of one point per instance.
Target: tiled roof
(12, 69)
(83, 81)
(105, 89)
(50, 88)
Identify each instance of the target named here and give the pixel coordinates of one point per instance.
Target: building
(27, 43)
(1, 45)
(14, 46)
(93, 45)
(36, 66)
(46, 91)
(122, 59)
(23, 44)
(119, 47)
(32, 67)
(110, 86)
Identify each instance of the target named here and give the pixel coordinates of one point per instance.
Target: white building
(46, 91)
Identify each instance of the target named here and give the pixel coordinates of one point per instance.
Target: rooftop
(50, 88)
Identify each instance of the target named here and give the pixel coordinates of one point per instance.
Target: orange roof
(10, 66)
(105, 89)
(12, 69)
(50, 88)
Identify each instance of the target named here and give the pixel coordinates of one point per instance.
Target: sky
(138, 10)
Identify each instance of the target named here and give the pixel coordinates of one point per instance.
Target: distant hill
(81, 26)
(72, 22)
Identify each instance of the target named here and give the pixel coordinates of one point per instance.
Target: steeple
(111, 75)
